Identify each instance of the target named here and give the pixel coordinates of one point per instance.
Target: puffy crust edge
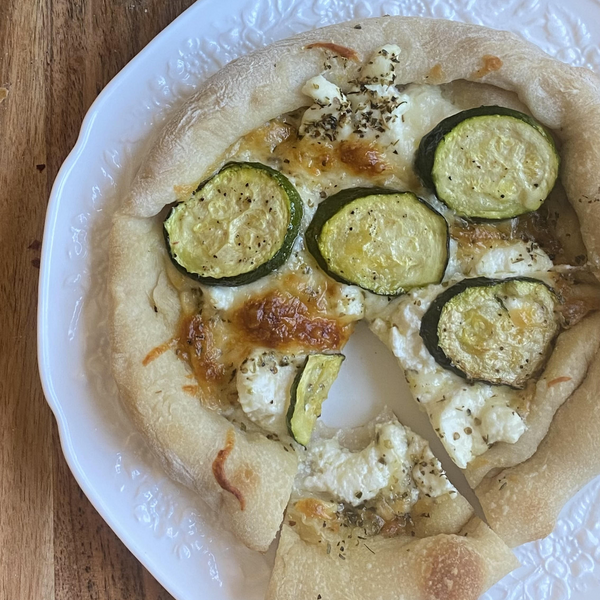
(458, 566)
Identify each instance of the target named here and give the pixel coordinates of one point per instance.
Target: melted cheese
(397, 464)
(263, 383)
(374, 111)
(507, 258)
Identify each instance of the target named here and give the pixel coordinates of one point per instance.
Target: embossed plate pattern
(177, 539)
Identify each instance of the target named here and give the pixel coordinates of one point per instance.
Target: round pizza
(440, 181)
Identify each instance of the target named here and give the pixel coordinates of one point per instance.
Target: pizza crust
(459, 566)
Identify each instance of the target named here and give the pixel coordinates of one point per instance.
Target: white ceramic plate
(174, 535)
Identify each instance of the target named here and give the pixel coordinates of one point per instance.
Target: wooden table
(55, 57)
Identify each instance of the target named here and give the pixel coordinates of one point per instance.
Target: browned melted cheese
(477, 235)
(269, 136)
(312, 508)
(336, 49)
(316, 157)
(196, 344)
(281, 320)
(362, 157)
(490, 64)
(280, 140)
(218, 469)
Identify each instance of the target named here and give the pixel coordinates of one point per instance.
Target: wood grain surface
(55, 57)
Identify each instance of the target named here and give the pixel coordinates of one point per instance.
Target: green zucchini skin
(430, 321)
(303, 411)
(332, 205)
(278, 259)
(425, 156)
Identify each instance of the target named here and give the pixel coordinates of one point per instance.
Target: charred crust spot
(218, 469)
(452, 571)
(490, 64)
(336, 49)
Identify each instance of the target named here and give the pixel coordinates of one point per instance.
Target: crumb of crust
(336, 49)
(3, 94)
(218, 469)
(490, 64)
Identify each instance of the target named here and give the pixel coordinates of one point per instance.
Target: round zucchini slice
(384, 241)
(309, 391)
(494, 330)
(489, 162)
(237, 227)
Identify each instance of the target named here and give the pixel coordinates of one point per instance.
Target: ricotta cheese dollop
(263, 383)
(397, 463)
(373, 108)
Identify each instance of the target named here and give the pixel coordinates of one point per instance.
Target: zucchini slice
(309, 391)
(384, 241)
(237, 226)
(494, 330)
(489, 162)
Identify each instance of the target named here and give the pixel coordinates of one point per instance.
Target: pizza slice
(373, 515)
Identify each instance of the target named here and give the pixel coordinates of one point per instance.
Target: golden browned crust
(218, 469)
(459, 566)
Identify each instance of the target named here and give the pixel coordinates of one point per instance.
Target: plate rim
(134, 545)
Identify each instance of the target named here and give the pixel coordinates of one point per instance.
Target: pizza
(435, 179)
